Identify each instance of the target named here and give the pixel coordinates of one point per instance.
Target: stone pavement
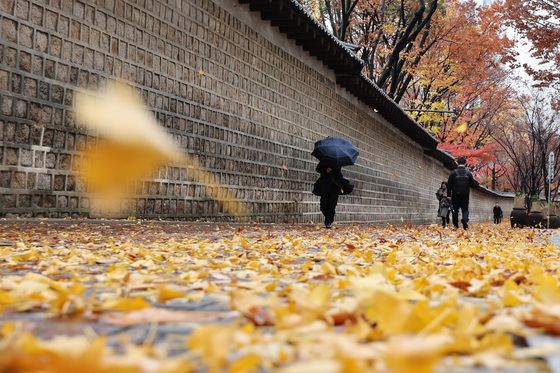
(117, 260)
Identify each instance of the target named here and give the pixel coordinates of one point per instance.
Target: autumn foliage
(538, 22)
(451, 64)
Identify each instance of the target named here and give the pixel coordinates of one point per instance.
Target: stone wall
(482, 205)
(234, 92)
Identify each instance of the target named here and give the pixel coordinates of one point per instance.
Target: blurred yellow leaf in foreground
(415, 354)
(463, 127)
(132, 146)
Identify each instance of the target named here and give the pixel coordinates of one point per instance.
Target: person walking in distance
(498, 214)
(330, 185)
(459, 185)
(444, 205)
(444, 210)
(333, 153)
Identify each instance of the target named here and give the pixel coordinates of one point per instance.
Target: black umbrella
(335, 151)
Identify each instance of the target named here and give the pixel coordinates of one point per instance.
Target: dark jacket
(440, 193)
(335, 172)
(461, 170)
(331, 182)
(498, 212)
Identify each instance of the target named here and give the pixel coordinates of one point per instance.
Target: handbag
(318, 187)
(346, 186)
(443, 211)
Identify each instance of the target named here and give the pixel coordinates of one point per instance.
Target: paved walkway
(153, 284)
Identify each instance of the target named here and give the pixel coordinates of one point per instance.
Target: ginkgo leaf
(126, 304)
(285, 297)
(415, 354)
(165, 293)
(548, 290)
(213, 343)
(245, 364)
(6, 298)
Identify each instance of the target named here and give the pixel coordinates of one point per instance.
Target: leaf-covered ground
(165, 297)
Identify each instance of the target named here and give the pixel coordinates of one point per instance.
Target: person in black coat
(498, 214)
(459, 186)
(331, 183)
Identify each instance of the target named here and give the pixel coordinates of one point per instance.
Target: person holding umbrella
(332, 153)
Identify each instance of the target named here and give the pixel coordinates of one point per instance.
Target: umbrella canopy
(335, 151)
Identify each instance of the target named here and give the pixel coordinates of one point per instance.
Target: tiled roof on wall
(294, 21)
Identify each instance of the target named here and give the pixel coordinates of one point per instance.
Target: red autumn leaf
(350, 246)
(520, 279)
(497, 282)
(344, 318)
(322, 277)
(463, 285)
(549, 324)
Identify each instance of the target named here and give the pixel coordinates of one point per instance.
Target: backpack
(461, 183)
